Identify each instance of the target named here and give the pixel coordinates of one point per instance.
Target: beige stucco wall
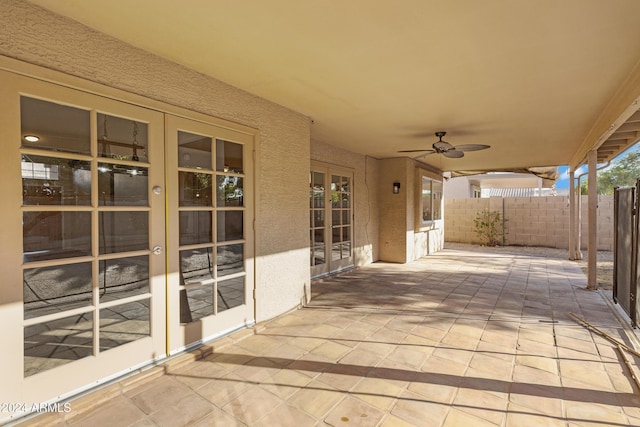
(365, 177)
(531, 221)
(401, 237)
(34, 35)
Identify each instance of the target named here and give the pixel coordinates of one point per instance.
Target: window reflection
(56, 127)
(120, 185)
(194, 151)
(230, 225)
(123, 231)
(58, 342)
(228, 157)
(195, 189)
(49, 290)
(196, 303)
(55, 181)
(195, 227)
(122, 139)
(230, 259)
(54, 235)
(196, 266)
(229, 190)
(122, 324)
(230, 293)
(123, 277)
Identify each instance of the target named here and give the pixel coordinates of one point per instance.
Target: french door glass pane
(230, 225)
(120, 185)
(230, 259)
(55, 235)
(194, 151)
(55, 181)
(49, 126)
(195, 227)
(53, 289)
(57, 342)
(122, 139)
(229, 157)
(229, 190)
(123, 277)
(123, 231)
(125, 323)
(196, 266)
(230, 293)
(195, 189)
(195, 303)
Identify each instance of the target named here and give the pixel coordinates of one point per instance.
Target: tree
(623, 173)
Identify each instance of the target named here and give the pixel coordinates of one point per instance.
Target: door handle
(157, 250)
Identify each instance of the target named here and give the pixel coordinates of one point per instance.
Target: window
(431, 200)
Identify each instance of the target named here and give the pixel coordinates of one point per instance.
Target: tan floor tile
(437, 393)
(316, 399)
(489, 406)
(592, 414)
(224, 390)
(199, 373)
(393, 421)
(544, 400)
(586, 372)
(408, 356)
(187, 410)
(495, 367)
(457, 418)
(352, 411)
(105, 414)
(546, 364)
(286, 416)
(377, 392)
(252, 405)
(285, 382)
(446, 366)
(217, 418)
(518, 416)
(331, 350)
(528, 375)
(164, 392)
(413, 409)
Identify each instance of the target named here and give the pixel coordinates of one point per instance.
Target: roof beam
(623, 105)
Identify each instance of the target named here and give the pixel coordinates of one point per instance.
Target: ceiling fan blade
(412, 151)
(453, 154)
(425, 154)
(472, 147)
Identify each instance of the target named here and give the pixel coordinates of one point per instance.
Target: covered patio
(463, 337)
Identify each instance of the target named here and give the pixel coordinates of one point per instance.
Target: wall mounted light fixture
(396, 188)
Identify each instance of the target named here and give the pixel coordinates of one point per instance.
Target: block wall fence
(531, 221)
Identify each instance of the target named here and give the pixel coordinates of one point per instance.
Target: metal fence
(626, 271)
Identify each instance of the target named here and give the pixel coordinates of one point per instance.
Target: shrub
(489, 227)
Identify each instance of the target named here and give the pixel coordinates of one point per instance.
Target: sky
(563, 180)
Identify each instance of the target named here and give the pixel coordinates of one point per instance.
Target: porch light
(396, 188)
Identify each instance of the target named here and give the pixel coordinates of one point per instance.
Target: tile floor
(460, 338)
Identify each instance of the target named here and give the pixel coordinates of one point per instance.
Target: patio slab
(462, 337)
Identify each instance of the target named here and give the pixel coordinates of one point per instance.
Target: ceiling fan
(446, 149)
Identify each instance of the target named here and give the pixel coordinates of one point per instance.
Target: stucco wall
(531, 221)
(402, 239)
(365, 176)
(36, 36)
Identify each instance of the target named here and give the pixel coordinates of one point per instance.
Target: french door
(125, 235)
(331, 219)
(211, 223)
(83, 289)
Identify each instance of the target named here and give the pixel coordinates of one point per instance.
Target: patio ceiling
(541, 81)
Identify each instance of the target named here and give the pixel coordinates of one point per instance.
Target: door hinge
(254, 294)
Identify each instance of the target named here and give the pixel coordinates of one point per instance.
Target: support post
(572, 215)
(592, 245)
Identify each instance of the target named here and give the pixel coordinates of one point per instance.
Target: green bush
(489, 227)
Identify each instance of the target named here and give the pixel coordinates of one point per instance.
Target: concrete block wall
(530, 221)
